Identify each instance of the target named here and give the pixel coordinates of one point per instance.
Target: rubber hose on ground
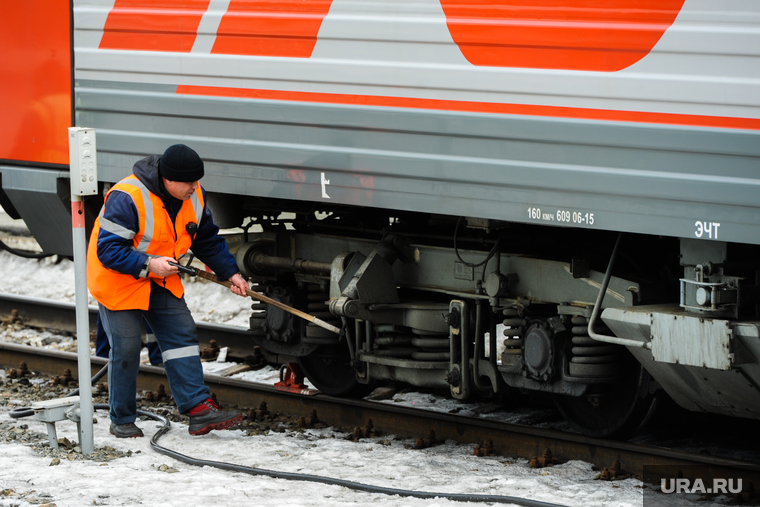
(24, 254)
(458, 497)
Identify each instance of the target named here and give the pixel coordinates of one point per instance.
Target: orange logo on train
(249, 27)
(591, 35)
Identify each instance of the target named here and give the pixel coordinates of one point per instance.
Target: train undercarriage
(484, 309)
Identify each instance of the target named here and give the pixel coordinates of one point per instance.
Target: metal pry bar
(260, 297)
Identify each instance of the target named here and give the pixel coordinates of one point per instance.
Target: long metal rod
(264, 299)
(627, 342)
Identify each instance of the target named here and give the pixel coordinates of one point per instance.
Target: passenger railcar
(456, 174)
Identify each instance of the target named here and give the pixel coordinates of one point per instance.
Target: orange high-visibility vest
(156, 237)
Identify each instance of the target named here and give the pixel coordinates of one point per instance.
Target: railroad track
(61, 316)
(508, 439)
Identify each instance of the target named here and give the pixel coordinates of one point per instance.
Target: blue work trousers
(174, 328)
(103, 347)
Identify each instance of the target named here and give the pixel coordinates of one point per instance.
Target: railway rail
(61, 316)
(508, 439)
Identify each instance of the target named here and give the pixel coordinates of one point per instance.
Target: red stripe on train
(479, 107)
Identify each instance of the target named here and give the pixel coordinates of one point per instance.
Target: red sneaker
(208, 416)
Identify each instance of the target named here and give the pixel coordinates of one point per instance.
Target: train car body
(456, 169)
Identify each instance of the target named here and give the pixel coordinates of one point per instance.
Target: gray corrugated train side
(643, 178)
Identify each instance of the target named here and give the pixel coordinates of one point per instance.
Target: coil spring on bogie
(318, 306)
(318, 303)
(513, 333)
(259, 308)
(591, 358)
(258, 317)
(405, 342)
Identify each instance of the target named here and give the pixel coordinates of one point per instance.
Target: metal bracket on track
(291, 380)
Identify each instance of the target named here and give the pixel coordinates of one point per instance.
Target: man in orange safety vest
(149, 220)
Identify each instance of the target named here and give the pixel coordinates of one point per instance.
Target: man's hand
(160, 266)
(239, 285)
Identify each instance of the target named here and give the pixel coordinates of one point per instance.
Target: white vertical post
(83, 325)
(84, 181)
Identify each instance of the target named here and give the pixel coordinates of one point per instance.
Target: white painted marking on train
(709, 229)
(325, 182)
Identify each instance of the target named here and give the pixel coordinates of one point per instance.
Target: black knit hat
(180, 163)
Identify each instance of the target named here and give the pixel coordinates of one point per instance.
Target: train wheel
(619, 412)
(329, 369)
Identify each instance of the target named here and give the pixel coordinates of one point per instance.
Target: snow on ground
(384, 461)
(139, 480)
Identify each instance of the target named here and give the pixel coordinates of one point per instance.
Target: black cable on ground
(357, 486)
(23, 253)
(367, 488)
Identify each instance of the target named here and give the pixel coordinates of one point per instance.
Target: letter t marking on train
(325, 182)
